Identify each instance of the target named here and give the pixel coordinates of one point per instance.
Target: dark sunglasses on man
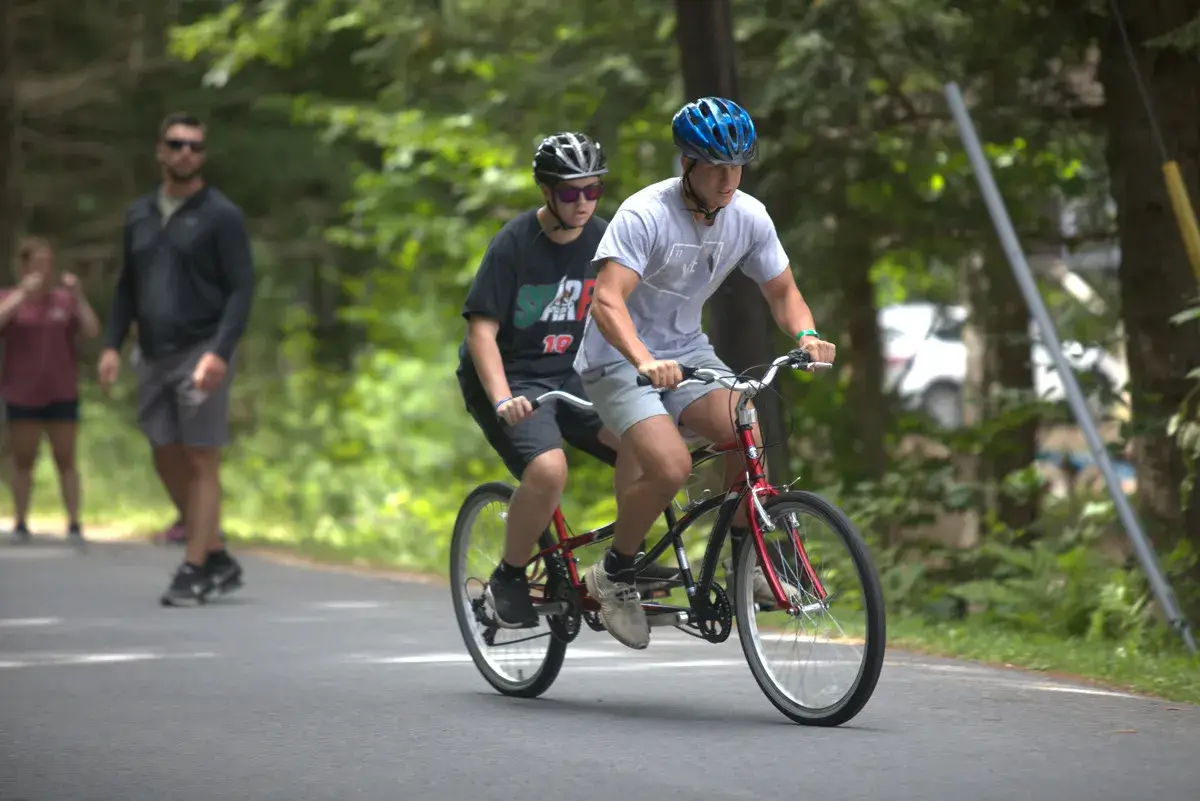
(180, 144)
(570, 194)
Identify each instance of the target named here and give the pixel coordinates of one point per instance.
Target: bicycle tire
(556, 650)
(868, 677)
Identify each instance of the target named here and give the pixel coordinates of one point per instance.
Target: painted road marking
(10, 661)
(27, 622)
(348, 604)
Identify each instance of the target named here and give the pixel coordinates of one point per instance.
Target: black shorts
(57, 412)
(545, 430)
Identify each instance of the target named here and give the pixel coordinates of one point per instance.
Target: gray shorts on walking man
(621, 403)
(172, 410)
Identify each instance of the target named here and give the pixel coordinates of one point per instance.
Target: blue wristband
(503, 401)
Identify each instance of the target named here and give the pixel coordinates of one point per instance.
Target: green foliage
(1184, 38)
(1184, 425)
(378, 146)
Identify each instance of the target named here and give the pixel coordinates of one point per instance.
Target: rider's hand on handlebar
(663, 373)
(818, 349)
(514, 410)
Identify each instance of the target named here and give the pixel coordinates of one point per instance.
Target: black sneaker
(21, 531)
(510, 598)
(224, 571)
(189, 587)
(75, 534)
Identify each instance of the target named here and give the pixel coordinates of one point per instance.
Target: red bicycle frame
(747, 489)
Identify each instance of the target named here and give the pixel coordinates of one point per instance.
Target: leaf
(1187, 315)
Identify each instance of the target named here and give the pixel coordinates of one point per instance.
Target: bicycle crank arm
(550, 608)
(667, 619)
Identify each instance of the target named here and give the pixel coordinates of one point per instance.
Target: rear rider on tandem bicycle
(525, 312)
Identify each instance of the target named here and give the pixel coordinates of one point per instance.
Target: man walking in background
(188, 281)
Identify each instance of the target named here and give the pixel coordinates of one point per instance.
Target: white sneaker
(762, 588)
(620, 608)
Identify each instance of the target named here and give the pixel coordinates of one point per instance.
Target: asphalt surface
(310, 684)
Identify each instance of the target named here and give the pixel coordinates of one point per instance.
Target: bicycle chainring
(593, 621)
(565, 627)
(718, 623)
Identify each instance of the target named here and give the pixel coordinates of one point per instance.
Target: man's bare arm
(614, 282)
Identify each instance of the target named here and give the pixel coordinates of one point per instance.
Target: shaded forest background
(377, 145)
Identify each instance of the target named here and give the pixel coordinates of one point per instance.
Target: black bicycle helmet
(567, 156)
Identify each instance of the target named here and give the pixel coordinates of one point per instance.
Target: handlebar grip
(688, 372)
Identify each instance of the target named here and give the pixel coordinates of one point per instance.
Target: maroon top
(39, 350)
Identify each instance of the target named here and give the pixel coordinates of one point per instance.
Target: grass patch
(121, 493)
(1166, 672)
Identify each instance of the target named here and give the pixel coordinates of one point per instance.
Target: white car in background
(925, 361)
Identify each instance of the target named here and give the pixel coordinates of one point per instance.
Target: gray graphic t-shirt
(682, 263)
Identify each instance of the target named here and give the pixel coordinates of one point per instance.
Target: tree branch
(50, 96)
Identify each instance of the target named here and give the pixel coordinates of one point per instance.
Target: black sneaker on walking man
(188, 281)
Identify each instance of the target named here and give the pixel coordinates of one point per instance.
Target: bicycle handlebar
(797, 360)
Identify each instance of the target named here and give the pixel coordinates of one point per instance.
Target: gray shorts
(172, 410)
(621, 403)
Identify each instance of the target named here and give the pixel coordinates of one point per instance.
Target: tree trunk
(742, 334)
(968, 465)
(868, 404)
(11, 211)
(1155, 276)
(1008, 368)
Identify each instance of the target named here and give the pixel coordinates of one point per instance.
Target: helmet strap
(689, 193)
(550, 203)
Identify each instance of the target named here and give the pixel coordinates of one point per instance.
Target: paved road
(320, 685)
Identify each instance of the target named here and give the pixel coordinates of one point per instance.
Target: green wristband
(807, 333)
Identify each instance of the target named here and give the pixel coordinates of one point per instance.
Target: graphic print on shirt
(566, 301)
(677, 275)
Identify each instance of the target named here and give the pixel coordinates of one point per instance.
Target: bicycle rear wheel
(846, 582)
(517, 662)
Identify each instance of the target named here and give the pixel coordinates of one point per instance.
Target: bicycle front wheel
(819, 661)
(517, 662)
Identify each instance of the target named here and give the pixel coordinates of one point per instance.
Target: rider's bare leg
(654, 448)
(655, 452)
(533, 504)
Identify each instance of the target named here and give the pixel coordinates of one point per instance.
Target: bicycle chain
(714, 629)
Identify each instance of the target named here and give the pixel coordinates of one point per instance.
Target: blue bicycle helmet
(715, 130)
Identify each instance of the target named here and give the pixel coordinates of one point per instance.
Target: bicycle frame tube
(754, 489)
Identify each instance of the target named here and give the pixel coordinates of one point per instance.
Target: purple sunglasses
(570, 194)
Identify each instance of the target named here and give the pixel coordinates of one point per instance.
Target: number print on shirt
(557, 343)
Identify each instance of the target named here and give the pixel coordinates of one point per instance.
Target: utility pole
(743, 333)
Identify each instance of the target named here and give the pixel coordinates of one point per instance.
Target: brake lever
(802, 360)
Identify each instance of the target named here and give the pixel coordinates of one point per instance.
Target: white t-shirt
(682, 263)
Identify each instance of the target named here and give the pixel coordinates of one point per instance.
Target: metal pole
(1020, 267)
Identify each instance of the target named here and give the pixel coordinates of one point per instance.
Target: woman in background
(40, 321)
